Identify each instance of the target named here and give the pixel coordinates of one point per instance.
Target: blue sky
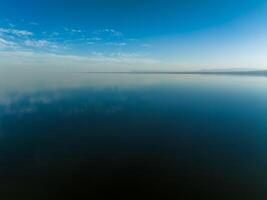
(133, 34)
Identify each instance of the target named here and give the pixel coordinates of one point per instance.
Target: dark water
(133, 137)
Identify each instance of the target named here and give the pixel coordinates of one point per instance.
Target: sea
(133, 136)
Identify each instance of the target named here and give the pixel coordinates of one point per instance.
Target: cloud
(61, 62)
(72, 30)
(39, 43)
(15, 32)
(94, 39)
(111, 32)
(4, 44)
(90, 43)
(34, 23)
(118, 44)
(23, 47)
(76, 31)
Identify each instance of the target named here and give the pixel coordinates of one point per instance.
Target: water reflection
(133, 137)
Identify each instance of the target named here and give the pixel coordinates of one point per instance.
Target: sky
(123, 35)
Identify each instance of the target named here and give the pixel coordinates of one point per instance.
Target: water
(133, 136)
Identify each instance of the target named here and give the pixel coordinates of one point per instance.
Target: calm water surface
(133, 136)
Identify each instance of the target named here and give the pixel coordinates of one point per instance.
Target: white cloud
(72, 30)
(118, 44)
(15, 32)
(76, 31)
(6, 44)
(111, 32)
(94, 39)
(90, 43)
(39, 43)
(92, 62)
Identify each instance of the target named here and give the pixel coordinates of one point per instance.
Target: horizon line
(202, 72)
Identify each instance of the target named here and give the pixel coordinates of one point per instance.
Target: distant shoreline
(239, 73)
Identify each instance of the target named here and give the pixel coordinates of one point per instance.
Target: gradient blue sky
(133, 34)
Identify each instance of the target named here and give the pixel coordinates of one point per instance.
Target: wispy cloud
(34, 23)
(93, 61)
(111, 32)
(90, 43)
(39, 43)
(15, 32)
(118, 44)
(72, 30)
(66, 46)
(94, 39)
(5, 44)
